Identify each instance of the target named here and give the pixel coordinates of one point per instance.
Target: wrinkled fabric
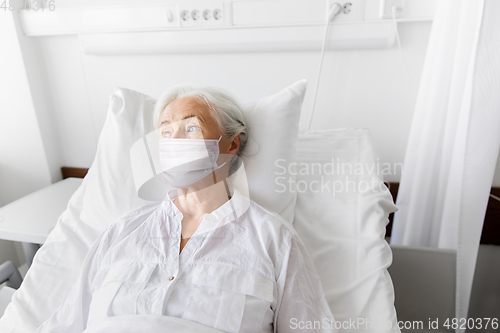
(244, 270)
(341, 218)
(147, 323)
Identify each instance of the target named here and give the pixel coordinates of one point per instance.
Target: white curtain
(454, 139)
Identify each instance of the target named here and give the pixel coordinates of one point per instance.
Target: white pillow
(341, 213)
(111, 190)
(274, 125)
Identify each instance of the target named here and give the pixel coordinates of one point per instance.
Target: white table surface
(31, 218)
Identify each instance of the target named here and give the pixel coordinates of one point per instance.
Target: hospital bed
(340, 215)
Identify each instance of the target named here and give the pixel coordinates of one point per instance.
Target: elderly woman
(207, 253)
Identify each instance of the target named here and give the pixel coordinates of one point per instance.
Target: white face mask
(187, 161)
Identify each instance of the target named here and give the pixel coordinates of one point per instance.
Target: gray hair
(224, 106)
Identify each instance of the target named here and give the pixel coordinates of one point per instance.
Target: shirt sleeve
(72, 315)
(302, 305)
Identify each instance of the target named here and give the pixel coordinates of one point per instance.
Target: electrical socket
(386, 8)
(352, 10)
(202, 14)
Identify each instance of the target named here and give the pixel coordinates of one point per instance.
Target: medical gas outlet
(202, 14)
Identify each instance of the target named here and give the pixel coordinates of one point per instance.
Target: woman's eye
(166, 134)
(193, 128)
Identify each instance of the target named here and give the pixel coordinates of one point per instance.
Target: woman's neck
(195, 204)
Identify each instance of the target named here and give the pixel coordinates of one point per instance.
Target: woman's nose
(178, 134)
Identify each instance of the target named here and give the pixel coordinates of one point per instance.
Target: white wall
(24, 163)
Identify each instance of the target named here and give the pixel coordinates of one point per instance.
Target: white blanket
(147, 323)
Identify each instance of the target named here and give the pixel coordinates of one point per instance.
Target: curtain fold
(455, 138)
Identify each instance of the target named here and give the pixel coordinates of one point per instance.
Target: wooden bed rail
(68, 172)
(491, 226)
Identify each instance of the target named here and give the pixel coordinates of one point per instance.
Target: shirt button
(170, 278)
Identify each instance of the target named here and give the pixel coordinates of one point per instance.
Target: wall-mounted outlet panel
(221, 14)
(202, 14)
(351, 10)
(386, 8)
(292, 12)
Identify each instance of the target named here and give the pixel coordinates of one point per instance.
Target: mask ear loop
(213, 171)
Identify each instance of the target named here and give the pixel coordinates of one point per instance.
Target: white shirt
(244, 270)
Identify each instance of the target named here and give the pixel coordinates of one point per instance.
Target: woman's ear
(235, 145)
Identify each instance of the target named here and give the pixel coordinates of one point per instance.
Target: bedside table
(29, 220)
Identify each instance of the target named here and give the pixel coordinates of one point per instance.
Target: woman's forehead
(186, 107)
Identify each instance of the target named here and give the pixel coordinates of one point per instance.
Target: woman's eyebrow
(201, 120)
(185, 117)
